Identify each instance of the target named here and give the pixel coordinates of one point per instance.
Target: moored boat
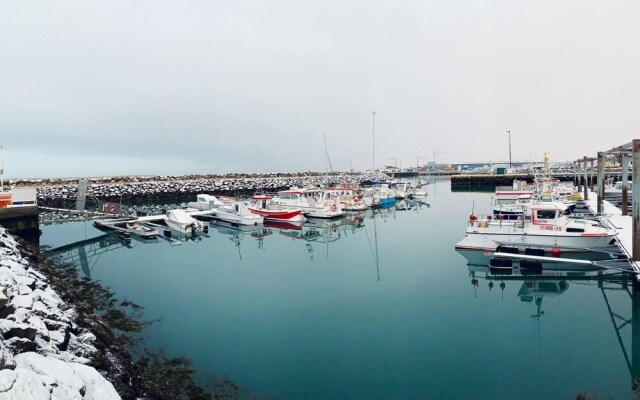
(141, 230)
(350, 196)
(546, 226)
(182, 222)
(314, 203)
(205, 202)
(262, 205)
(237, 213)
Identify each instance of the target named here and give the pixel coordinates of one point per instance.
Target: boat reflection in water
(555, 279)
(314, 233)
(236, 232)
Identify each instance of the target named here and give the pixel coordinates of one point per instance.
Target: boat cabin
(260, 201)
(545, 215)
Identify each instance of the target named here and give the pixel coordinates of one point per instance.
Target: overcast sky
(172, 87)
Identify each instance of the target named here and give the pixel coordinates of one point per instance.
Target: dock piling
(625, 179)
(636, 200)
(600, 182)
(584, 186)
(591, 174)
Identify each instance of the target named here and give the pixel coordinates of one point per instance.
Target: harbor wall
(166, 187)
(464, 182)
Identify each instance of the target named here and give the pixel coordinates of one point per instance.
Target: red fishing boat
(262, 205)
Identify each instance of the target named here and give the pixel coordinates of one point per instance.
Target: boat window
(575, 230)
(546, 214)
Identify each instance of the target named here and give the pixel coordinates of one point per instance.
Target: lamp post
(509, 133)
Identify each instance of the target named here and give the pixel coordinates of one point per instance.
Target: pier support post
(636, 201)
(575, 173)
(625, 179)
(586, 171)
(600, 183)
(591, 174)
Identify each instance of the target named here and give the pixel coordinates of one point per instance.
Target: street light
(509, 133)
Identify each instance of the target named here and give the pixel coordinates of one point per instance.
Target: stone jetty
(162, 187)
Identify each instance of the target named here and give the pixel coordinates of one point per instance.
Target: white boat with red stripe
(545, 226)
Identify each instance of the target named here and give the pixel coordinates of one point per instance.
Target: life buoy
(334, 208)
(472, 217)
(355, 199)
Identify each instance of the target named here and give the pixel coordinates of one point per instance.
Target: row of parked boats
(294, 205)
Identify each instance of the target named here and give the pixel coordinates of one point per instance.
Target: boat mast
(328, 159)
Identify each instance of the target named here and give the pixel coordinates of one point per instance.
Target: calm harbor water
(380, 307)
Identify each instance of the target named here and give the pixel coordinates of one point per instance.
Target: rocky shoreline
(44, 352)
(67, 337)
(161, 187)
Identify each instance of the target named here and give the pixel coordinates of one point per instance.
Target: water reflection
(316, 234)
(553, 282)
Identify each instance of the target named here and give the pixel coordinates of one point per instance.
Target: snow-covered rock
(39, 357)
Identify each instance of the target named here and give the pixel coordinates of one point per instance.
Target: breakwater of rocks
(163, 187)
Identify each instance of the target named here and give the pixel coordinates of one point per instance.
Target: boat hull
(235, 219)
(489, 241)
(279, 215)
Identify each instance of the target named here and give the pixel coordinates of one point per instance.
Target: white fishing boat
(179, 220)
(350, 196)
(205, 202)
(315, 203)
(546, 226)
(402, 190)
(420, 189)
(237, 213)
(379, 196)
(263, 206)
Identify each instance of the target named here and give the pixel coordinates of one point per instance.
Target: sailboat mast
(373, 130)
(327, 158)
